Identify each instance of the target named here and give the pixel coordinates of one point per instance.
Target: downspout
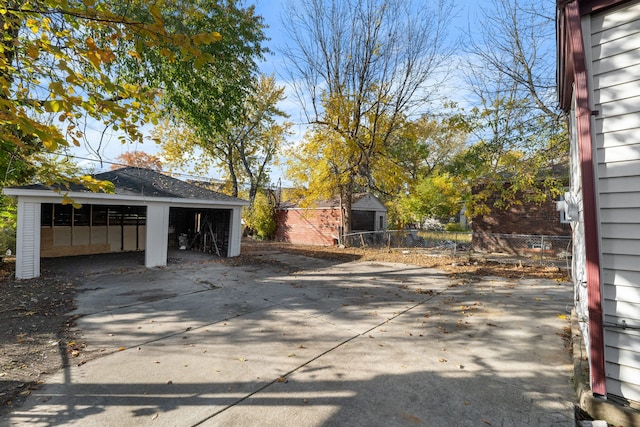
(583, 124)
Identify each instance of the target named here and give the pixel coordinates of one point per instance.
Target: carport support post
(157, 239)
(235, 232)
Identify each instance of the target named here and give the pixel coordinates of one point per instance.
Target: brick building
(498, 230)
(320, 225)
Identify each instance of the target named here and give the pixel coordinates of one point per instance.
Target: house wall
(612, 42)
(579, 254)
(308, 226)
(525, 219)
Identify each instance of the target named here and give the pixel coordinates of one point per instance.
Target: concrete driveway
(303, 342)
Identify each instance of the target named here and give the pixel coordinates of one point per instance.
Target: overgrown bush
(260, 217)
(454, 226)
(7, 225)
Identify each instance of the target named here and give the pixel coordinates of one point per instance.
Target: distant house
(147, 212)
(599, 88)
(507, 230)
(320, 225)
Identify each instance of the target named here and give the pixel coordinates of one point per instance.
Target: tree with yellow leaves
(360, 69)
(64, 63)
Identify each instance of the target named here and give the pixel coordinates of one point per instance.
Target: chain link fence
(546, 250)
(410, 239)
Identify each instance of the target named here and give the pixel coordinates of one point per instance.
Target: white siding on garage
(28, 240)
(615, 96)
(371, 203)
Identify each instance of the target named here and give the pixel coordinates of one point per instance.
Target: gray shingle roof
(133, 181)
(146, 182)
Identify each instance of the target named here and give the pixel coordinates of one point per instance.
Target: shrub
(261, 217)
(7, 225)
(454, 226)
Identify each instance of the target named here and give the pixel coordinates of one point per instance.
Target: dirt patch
(465, 265)
(38, 336)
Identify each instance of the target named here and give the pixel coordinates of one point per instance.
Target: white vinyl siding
(615, 96)
(28, 241)
(371, 203)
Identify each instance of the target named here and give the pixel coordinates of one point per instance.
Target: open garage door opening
(203, 230)
(91, 229)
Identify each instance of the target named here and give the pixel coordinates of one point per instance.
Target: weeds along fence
(543, 249)
(410, 239)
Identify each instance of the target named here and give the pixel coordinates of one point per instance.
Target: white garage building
(148, 211)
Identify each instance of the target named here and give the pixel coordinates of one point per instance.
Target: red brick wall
(308, 227)
(528, 219)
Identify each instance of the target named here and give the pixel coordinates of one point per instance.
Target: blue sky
(271, 11)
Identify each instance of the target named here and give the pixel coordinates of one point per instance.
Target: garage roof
(133, 181)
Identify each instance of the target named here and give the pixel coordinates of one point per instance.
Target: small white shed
(148, 211)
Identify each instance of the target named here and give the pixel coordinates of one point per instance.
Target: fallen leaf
(486, 421)
(154, 416)
(281, 380)
(242, 359)
(121, 349)
(442, 360)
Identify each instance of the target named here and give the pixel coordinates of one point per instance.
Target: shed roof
(332, 203)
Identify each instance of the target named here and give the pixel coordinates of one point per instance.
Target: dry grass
(462, 265)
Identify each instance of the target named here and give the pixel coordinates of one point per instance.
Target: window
(99, 215)
(62, 215)
(46, 215)
(82, 215)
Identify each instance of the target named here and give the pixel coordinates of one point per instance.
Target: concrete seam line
(313, 359)
(145, 302)
(200, 327)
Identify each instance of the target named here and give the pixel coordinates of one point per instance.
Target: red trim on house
(588, 7)
(583, 122)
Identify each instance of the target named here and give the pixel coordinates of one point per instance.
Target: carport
(148, 211)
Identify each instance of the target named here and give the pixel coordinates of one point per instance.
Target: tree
(436, 196)
(520, 133)
(246, 147)
(66, 63)
(359, 69)
(138, 159)
(260, 217)
(205, 88)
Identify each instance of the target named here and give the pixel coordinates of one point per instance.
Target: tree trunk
(232, 171)
(346, 200)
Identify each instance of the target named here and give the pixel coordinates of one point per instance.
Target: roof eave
(88, 197)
